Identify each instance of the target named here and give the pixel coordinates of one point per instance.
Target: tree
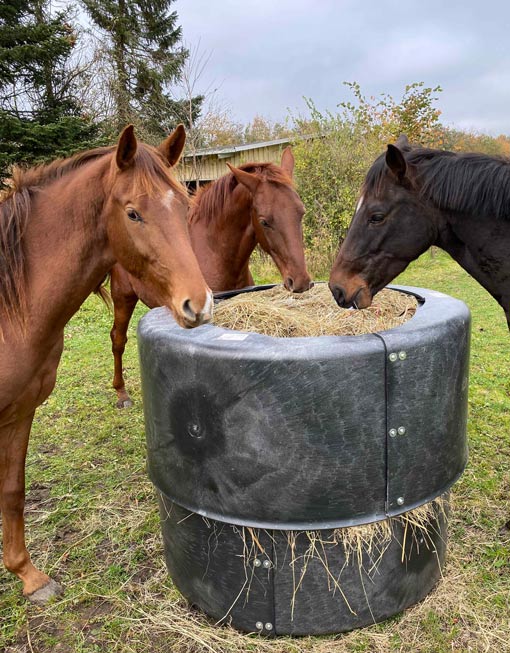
(414, 115)
(219, 130)
(143, 46)
(40, 113)
(263, 129)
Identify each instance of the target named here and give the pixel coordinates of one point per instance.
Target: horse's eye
(264, 223)
(133, 215)
(376, 217)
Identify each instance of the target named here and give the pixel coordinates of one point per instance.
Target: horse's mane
(467, 182)
(150, 172)
(210, 200)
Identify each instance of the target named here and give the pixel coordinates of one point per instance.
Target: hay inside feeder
(276, 312)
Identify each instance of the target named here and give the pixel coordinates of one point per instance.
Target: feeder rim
(311, 525)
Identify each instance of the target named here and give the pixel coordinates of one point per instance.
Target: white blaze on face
(360, 203)
(207, 310)
(168, 198)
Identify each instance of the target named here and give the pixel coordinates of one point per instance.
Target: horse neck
(480, 244)
(66, 245)
(224, 244)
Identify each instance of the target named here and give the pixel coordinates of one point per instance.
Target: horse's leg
(123, 307)
(37, 587)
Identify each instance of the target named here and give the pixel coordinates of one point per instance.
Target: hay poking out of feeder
(276, 312)
(363, 545)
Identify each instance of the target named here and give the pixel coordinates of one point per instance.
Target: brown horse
(62, 227)
(416, 197)
(253, 204)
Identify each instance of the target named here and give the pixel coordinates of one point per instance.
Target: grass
(92, 520)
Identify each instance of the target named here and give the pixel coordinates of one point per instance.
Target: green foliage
(33, 141)
(338, 149)
(414, 115)
(143, 44)
(40, 113)
(330, 167)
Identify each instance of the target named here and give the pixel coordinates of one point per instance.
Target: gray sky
(267, 54)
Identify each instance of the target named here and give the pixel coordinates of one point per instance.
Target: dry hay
(360, 544)
(276, 312)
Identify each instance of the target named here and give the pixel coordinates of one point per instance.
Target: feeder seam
(386, 436)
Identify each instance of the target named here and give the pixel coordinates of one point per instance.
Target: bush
(336, 151)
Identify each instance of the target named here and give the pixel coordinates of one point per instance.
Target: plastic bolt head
(400, 501)
(393, 357)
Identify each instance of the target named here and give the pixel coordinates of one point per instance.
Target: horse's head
(391, 227)
(147, 226)
(277, 214)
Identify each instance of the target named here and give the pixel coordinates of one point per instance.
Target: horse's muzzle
(361, 298)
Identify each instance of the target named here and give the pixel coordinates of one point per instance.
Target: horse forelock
(152, 175)
(209, 202)
(375, 178)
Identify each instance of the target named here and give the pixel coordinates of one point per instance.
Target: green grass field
(92, 519)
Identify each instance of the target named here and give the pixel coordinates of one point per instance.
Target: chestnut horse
(253, 204)
(62, 227)
(415, 197)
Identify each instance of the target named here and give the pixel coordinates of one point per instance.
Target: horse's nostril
(338, 294)
(289, 282)
(188, 311)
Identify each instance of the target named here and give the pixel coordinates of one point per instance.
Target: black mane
(466, 182)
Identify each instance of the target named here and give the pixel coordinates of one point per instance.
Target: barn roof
(229, 150)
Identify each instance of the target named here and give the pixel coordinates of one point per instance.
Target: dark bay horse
(253, 204)
(62, 227)
(415, 197)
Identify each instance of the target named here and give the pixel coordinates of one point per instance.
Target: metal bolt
(402, 355)
(256, 562)
(194, 430)
(400, 501)
(269, 626)
(266, 564)
(392, 433)
(401, 430)
(259, 625)
(393, 357)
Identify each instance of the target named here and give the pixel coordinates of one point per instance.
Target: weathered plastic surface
(221, 569)
(294, 433)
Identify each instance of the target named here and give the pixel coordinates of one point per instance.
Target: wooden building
(208, 165)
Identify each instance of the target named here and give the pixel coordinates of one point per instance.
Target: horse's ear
(171, 148)
(288, 161)
(247, 179)
(126, 148)
(402, 142)
(396, 162)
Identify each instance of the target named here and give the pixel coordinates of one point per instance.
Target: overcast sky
(267, 54)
